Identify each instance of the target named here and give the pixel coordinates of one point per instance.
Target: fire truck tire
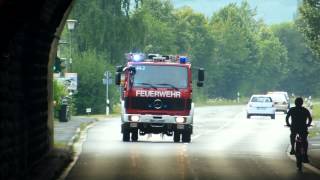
(134, 136)
(176, 137)
(186, 137)
(125, 136)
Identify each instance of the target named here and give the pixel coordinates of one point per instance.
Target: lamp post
(71, 24)
(62, 60)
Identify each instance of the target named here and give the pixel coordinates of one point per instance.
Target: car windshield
(279, 98)
(279, 94)
(155, 76)
(261, 99)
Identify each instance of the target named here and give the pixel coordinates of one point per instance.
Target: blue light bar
(183, 59)
(136, 57)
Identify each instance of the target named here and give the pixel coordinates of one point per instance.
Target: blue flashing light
(136, 57)
(183, 59)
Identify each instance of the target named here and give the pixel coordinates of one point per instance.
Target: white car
(283, 93)
(261, 105)
(280, 101)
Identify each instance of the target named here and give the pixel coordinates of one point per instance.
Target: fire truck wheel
(134, 136)
(176, 137)
(125, 136)
(186, 137)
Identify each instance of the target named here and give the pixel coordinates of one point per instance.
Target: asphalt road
(225, 145)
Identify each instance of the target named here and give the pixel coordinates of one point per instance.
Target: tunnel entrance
(29, 38)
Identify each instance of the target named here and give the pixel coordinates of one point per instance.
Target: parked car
(280, 101)
(260, 105)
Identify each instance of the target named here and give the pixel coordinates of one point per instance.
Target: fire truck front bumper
(157, 123)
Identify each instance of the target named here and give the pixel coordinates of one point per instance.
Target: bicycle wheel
(299, 156)
(299, 162)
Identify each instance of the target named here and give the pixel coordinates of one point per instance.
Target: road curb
(308, 166)
(76, 145)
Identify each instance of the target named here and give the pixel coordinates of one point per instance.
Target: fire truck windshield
(157, 76)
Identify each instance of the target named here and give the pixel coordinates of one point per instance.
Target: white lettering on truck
(160, 94)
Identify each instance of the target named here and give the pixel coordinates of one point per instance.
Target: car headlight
(134, 118)
(180, 119)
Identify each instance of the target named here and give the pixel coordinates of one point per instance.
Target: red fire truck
(156, 96)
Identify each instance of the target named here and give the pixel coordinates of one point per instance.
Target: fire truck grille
(158, 104)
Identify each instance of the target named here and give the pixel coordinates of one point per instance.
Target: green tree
(91, 67)
(302, 65)
(272, 56)
(157, 27)
(308, 22)
(59, 91)
(233, 29)
(194, 39)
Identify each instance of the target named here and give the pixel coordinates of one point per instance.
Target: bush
(59, 91)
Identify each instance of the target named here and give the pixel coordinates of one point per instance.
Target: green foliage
(90, 67)
(59, 91)
(272, 64)
(239, 53)
(302, 66)
(246, 53)
(308, 21)
(316, 112)
(155, 27)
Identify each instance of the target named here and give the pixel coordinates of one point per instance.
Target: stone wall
(29, 32)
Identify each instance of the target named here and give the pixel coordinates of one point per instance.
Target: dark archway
(28, 39)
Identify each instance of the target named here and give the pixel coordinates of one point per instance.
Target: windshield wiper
(148, 84)
(171, 85)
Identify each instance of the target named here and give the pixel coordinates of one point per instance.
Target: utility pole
(106, 81)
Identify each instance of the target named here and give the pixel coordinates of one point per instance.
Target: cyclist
(299, 116)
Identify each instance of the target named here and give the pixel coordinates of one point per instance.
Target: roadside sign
(88, 110)
(104, 81)
(71, 81)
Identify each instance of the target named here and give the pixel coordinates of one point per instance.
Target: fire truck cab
(156, 96)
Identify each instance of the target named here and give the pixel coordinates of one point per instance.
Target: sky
(271, 11)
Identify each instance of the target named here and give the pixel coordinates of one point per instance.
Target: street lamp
(71, 24)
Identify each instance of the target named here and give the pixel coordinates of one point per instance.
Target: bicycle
(300, 151)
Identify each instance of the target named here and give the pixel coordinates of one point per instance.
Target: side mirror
(200, 77)
(119, 69)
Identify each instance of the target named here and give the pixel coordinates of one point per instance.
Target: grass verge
(221, 102)
(316, 112)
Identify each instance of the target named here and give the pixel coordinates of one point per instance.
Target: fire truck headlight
(134, 118)
(180, 120)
